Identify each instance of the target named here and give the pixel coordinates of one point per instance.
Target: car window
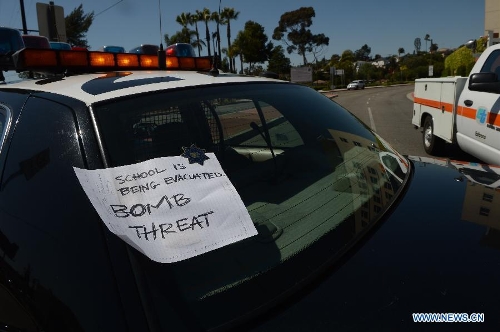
(312, 177)
(492, 63)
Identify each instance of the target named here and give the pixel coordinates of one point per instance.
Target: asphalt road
(388, 111)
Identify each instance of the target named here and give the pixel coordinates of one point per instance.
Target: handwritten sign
(167, 208)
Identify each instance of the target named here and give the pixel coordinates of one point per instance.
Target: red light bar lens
(35, 57)
(72, 58)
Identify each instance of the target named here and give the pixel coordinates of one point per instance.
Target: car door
(55, 267)
(478, 120)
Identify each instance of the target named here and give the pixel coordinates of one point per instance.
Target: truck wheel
(432, 144)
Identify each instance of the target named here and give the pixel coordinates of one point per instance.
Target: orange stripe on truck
(470, 113)
(494, 119)
(467, 112)
(442, 106)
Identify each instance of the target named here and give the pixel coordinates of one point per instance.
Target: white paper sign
(167, 208)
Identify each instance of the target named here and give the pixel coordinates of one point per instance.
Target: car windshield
(313, 178)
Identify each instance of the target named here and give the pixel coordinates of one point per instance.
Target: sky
(383, 25)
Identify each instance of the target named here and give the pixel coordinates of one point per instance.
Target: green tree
(366, 71)
(299, 37)
(251, 43)
(427, 38)
(363, 54)
(400, 51)
(198, 17)
(236, 51)
(229, 14)
(346, 62)
(77, 25)
(184, 19)
(185, 35)
(433, 48)
(278, 62)
(461, 58)
(206, 17)
(215, 17)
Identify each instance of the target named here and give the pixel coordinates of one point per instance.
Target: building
(492, 17)
(492, 21)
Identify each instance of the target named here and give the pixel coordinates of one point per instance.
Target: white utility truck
(462, 110)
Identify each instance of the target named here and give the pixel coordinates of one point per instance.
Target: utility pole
(23, 17)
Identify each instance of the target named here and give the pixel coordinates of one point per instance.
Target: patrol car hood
(437, 252)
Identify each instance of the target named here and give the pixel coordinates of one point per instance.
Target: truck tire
(432, 144)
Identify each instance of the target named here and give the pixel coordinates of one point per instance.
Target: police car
(156, 193)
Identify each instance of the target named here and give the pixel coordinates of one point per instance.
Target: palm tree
(227, 15)
(197, 43)
(216, 18)
(183, 19)
(237, 50)
(198, 17)
(185, 35)
(214, 38)
(206, 16)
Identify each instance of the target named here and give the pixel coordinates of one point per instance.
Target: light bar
(52, 60)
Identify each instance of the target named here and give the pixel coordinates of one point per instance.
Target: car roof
(90, 89)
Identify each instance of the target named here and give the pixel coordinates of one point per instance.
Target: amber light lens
(149, 61)
(61, 59)
(127, 60)
(172, 62)
(100, 59)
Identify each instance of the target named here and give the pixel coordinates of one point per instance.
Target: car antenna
(162, 58)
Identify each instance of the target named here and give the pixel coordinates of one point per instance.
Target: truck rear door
(478, 121)
(436, 97)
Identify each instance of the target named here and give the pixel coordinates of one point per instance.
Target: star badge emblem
(194, 154)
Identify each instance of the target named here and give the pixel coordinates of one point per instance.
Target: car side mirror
(484, 82)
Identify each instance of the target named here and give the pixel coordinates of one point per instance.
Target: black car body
(350, 234)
